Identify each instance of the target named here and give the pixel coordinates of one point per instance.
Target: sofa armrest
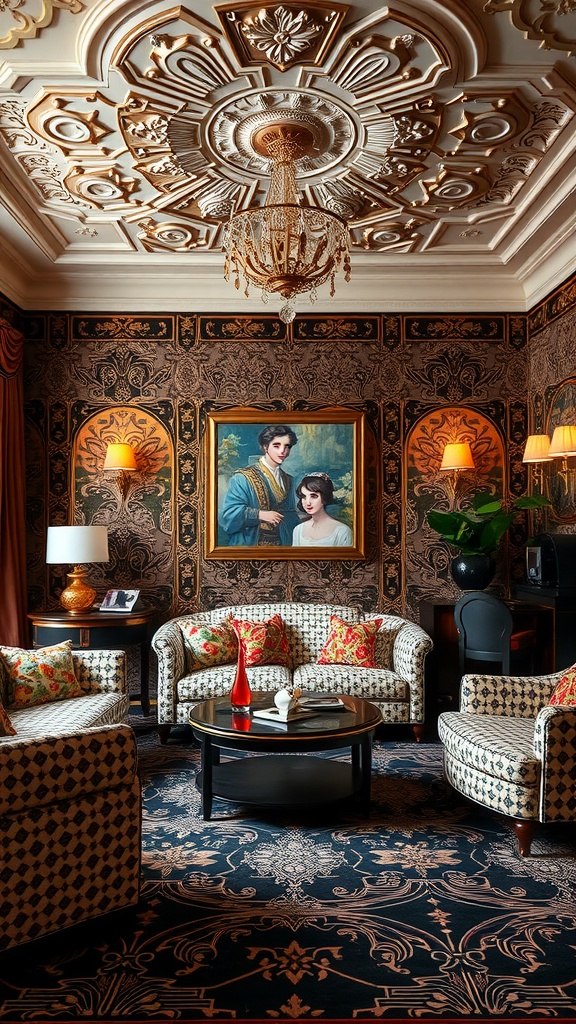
(101, 671)
(48, 769)
(411, 646)
(520, 696)
(555, 747)
(168, 643)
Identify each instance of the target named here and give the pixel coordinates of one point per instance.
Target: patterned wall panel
(552, 327)
(427, 558)
(169, 372)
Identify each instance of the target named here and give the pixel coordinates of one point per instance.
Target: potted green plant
(476, 533)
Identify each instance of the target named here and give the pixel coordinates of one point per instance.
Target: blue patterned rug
(424, 911)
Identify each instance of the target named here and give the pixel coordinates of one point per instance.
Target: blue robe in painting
(249, 491)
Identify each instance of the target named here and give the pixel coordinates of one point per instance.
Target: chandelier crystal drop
(282, 247)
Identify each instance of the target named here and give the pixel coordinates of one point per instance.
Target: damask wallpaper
(416, 378)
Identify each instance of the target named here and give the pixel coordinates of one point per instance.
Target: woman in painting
(315, 491)
(260, 504)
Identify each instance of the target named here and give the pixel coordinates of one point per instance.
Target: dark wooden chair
(485, 633)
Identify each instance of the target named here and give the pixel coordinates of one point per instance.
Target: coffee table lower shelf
(284, 781)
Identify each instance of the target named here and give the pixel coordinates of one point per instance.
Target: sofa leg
(525, 832)
(418, 732)
(163, 733)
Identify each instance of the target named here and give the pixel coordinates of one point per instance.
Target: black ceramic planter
(473, 572)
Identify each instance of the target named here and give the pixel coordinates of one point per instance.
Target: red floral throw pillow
(565, 691)
(208, 645)
(6, 727)
(350, 643)
(42, 675)
(264, 643)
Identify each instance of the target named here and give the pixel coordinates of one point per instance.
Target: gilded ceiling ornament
(28, 26)
(281, 35)
(555, 26)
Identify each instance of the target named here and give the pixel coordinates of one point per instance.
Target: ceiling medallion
(281, 34)
(554, 24)
(282, 247)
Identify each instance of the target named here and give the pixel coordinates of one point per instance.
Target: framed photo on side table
(285, 484)
(119, 601)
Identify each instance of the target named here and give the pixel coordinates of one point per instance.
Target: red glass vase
(241, 694)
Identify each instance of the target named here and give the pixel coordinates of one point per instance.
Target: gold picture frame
(252, 512)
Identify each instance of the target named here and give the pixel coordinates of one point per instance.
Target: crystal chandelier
(283, 247)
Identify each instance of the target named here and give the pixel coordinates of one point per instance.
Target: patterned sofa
(510, 750)
(69, 804)
(396, 685)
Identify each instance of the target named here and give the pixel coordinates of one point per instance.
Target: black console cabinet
(442, 664)
(564, 608)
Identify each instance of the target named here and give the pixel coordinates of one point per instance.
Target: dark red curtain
(13, 601)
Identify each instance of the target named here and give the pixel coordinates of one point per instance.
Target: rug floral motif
(422, 911)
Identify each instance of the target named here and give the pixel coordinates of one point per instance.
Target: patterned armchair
(510, 750)
(69, 805)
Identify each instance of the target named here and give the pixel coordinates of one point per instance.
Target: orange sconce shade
(457, 456)
(120, 456)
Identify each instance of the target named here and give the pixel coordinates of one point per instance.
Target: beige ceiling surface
(444, 133)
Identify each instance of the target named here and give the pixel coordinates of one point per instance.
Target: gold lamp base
(78, 596)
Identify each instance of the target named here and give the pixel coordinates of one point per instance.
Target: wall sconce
(563, 446)
(77, 546)
(456, 459)
(121, 459)
(536, 452)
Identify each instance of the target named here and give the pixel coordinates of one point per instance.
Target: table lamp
(77, 545)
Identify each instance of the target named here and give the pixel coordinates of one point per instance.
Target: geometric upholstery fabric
(45, 771)
(510, 750)
(395, 686)
(70, 861)
(70, 805)
(495, 744)
(69, 716)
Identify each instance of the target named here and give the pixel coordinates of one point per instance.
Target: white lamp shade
(537, 448)
(457, 456)
(120, 456)
(563, 441)
(76, 545)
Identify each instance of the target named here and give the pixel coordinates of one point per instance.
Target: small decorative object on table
(241, 694)
(287, 708)
(286, 701)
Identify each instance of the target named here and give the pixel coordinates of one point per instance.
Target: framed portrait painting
(285, 484)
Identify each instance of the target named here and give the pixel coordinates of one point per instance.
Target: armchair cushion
(564, 693)
(40, 676)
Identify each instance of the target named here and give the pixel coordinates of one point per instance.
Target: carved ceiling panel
(423, 141)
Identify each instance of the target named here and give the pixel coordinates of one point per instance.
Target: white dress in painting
(341, 537)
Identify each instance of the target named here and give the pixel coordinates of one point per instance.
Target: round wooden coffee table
(284, 778)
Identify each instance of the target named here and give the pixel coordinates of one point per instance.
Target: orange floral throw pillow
(208, 645)
(264, 643)
(565, 691)
(350, 643)
(6, 727)
(37, 677)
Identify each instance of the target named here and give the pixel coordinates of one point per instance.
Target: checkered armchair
(508, 749)
(70, 805)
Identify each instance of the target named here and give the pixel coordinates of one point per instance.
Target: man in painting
(260, 504)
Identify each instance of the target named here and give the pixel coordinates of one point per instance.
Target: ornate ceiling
(444, 133)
